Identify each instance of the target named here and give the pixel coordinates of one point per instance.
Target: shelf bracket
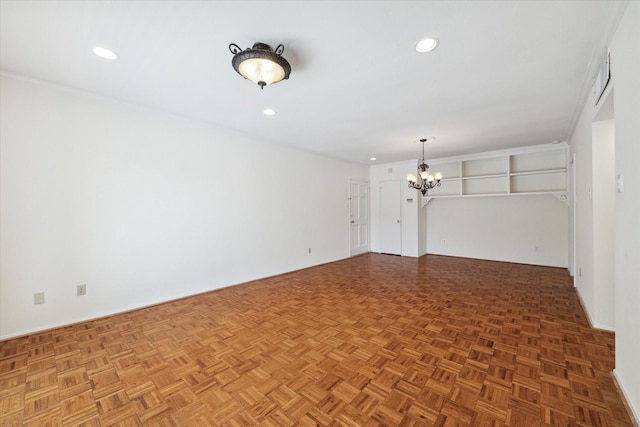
(562, 197)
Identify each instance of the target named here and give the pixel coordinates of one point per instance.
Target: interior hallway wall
(528, 229)
(625, 64)
(145, 207)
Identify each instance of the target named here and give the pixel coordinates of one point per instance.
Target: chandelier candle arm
(425, 181)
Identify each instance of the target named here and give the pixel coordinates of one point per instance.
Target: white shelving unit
(531, 170)
(541, 172)
(484, 176)
(450, 184)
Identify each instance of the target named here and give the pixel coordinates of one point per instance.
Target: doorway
(390, 214)
(359, 213)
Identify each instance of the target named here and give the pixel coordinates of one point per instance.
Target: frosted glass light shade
(261, 70)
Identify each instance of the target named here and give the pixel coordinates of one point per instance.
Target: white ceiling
(506, 73)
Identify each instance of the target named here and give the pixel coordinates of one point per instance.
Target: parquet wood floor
(373, 340)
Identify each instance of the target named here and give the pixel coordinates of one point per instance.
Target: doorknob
(352, 221)
(398, 221)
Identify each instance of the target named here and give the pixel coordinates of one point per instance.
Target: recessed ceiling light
(427, 45)
(105, 53)
(269, 112)
(372, 158)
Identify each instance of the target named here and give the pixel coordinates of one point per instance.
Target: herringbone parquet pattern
(373, 340)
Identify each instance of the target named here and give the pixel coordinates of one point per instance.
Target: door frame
(400, 207)
(368, 216)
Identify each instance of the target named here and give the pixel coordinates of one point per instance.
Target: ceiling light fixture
(269, 112)
(105, 53)
(425, 180)
(372, 158)
(260, 64)
(427, 45)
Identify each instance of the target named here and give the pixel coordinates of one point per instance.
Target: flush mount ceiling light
(425, 180)
(260, 64)
(105, 53)
(269, 112)
(427, 45)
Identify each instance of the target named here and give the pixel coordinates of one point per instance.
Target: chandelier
(425, 180)
(260, 64)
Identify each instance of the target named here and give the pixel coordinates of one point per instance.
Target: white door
(390, 227)
(359, 211)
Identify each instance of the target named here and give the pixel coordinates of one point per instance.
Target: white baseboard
(589, 319)
(633, 412)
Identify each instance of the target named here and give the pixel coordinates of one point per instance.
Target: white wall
(144, 207)
(603, 184)
(593, 141)
(625, 65)
(502, 228)
(529, 229)
(617, 305)
(422, 229)
(581, 147)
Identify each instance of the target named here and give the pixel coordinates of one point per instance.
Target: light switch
(619, 182)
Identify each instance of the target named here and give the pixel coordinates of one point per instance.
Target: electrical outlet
(38, 298)
(81, 290)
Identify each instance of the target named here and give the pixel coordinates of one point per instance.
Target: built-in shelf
(538, 172)
(531, 171)
(495, 175)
